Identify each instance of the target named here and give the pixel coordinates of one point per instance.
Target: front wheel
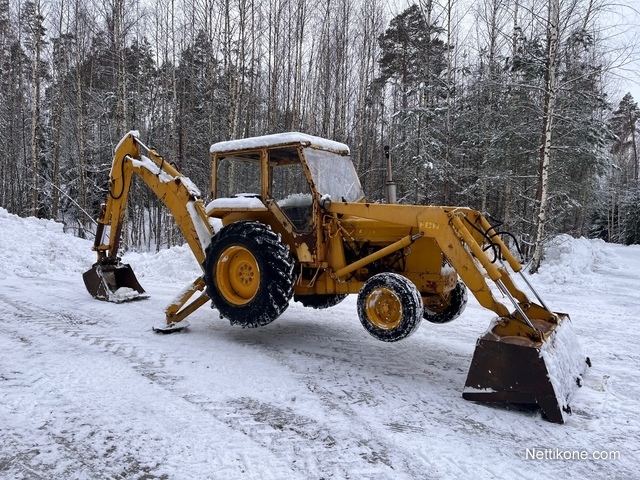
(450, 309)
(389, 307)
(249, 274)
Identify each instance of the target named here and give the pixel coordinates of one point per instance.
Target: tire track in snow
(114, 450)
(355, 390)
(349, 388)
(386, 396)
(280, 430)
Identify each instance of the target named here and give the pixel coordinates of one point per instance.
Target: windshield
(334, 175)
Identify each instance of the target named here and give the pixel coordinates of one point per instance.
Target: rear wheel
(319, 301)
(450, 309)
(389, 307)
(249, 274)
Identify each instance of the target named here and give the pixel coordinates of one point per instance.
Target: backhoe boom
(111, 280)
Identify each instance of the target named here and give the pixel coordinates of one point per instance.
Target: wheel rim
(384, 308)
(435, 308)
(237, 275)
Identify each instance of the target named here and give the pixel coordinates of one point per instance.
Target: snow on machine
(295, 224)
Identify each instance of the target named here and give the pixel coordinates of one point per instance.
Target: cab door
(291, 199)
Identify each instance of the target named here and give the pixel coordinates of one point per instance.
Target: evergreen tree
(624, 124)
(624, 224)
(412, 61)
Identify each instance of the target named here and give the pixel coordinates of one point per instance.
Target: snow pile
(164, 176)
(296, 200)
(241, 201)
(571, 260)
(32, 247)
(172, 265)
(565, 362)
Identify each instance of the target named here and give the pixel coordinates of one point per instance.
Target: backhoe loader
(292, 222)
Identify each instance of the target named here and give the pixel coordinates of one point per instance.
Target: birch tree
(550, 92)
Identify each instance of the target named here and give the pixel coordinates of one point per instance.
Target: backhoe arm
(177, 192)
(111, 280)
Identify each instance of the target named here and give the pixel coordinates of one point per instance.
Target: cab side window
(290, 188)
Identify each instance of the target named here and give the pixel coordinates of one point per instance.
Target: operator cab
(288, 172)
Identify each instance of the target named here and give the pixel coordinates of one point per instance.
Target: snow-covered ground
(88, 391)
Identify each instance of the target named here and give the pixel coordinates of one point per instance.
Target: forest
(506, 106)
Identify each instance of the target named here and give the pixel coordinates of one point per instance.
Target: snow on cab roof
(280, 139)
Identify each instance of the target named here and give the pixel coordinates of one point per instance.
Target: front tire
(389, 307)
(451, 309)
(248, 274)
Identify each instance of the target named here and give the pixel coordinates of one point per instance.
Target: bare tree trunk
(58, 116)
(300, 29)
(35, 113)
(448, 119)
(121, 69)
(514, 51)
(634, 148)
(82, 160)
(547, 130)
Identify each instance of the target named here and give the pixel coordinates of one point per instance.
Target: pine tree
(413, 58)
(624, 124)
(625, 219)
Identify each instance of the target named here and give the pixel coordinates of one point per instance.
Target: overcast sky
(624, 38)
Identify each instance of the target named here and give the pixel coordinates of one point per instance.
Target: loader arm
(181, 198)
(461, 243)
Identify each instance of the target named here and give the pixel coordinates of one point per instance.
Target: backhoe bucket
(113, 283)
(514, 368)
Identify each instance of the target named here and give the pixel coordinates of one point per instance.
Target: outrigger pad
(172, 327)
(513, 369)
(113, 283)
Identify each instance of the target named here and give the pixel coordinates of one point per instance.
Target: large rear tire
(249, 274)
(451, 309)
(390, 307)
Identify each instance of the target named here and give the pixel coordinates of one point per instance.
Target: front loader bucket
(113, 283)
(516, 369)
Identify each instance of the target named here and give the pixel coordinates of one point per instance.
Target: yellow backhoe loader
(293, 223)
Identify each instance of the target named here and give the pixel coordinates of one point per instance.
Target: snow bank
(32, 247)
(172, 265)
(573, 260)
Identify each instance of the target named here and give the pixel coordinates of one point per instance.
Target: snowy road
(88, 391)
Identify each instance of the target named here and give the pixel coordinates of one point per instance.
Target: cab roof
(279, 139)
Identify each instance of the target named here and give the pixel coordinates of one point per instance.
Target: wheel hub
(238, 275)
(384, 308)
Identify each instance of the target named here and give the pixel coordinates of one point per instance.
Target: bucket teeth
(113, 283)
(518, 370)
